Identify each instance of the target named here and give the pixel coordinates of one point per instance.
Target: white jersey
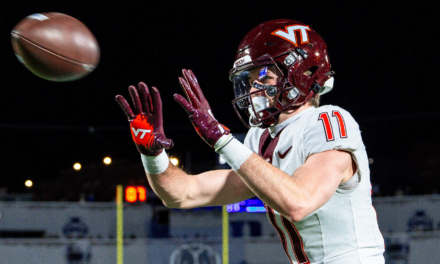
(345, 229)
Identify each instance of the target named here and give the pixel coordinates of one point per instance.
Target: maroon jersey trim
(271, 215)
(263, 138)
(266, 150)
(267, 145)
(295, 238)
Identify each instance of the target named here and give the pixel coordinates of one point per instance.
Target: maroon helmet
(299, 55)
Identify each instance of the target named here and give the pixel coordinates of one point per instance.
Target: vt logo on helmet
(289, 33)
(299, 57)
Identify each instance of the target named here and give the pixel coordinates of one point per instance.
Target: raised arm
(180, 190)
(175, 187)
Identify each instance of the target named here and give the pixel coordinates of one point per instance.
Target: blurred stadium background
(386, 63)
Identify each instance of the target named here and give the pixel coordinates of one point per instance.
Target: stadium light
(107, 160)
(174, 161)
(28, 183)
(77, 166)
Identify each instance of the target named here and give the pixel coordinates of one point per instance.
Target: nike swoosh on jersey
(282, 156)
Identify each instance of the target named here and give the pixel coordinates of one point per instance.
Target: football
(55, 46)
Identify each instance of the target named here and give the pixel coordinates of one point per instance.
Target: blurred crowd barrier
(408, 213)
(153, 251)
(71, 219)
(401, 249)
(64, 232)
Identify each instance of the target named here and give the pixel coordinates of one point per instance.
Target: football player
(307, 163)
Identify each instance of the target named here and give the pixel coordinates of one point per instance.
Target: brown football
(55, 46)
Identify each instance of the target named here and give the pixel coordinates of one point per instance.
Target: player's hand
(146, 123)
(199, 110)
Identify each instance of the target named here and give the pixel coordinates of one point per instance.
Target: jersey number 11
(324, 117)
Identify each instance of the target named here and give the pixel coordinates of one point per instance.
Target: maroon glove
(146, 125)
(199, 110)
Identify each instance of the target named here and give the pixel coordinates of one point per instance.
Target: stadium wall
(407, 249)
(410, 226)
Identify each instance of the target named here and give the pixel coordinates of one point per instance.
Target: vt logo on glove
(136, 132)
(146, 122)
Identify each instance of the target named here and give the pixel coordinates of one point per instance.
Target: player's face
(270, 78)
(252, 88)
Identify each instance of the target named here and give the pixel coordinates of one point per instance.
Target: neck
(289, 113)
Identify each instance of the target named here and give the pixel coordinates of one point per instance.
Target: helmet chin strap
(260, 109)
(261, 106)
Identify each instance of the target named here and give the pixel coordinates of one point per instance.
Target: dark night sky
(385, 57)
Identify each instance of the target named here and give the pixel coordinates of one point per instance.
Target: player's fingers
(136, 100)
(125, 107)
(188, 108)
(194, 83)
(157, 102)
(188, 91)
(145, 97)
(190, 82)
(163, 142)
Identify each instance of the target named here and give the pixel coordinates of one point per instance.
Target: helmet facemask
(260, 111)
